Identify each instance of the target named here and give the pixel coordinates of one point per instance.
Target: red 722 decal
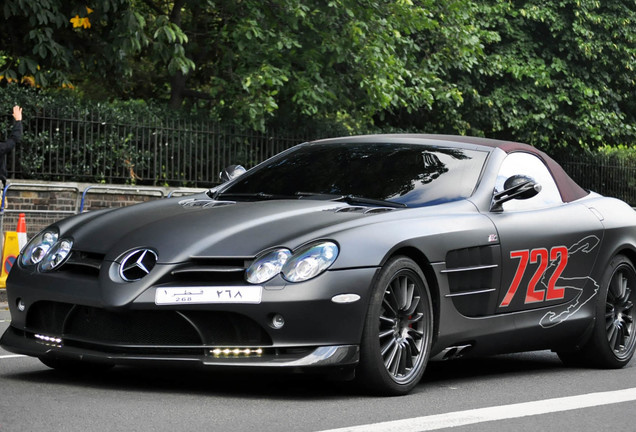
(543, 258)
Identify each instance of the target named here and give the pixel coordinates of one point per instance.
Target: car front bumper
(317, 332)
(33, 344)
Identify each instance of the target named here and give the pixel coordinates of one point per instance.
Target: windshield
(409, 174)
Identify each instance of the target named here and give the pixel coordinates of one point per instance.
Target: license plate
(209, 295)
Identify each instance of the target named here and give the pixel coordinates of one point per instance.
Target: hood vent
(364, 210)
(194, 202)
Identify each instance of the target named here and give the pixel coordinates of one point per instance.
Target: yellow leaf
(76, 21)
(89, 10)
(28, 80)
(80, 22)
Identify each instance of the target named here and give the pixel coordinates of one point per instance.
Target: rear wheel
(397, 335)
(613, 341)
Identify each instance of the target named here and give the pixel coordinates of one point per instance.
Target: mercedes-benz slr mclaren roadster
(363, 257)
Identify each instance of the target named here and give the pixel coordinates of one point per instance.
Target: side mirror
(231, 172)
(515, 187)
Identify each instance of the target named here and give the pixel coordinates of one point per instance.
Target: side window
(531, 166)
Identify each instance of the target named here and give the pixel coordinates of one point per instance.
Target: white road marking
(462, 418)
(11, 356)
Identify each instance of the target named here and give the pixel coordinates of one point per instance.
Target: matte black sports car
(362, 256)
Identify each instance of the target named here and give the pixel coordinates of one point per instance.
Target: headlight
(57, 254)
(267, 266)
(38, 247)
(310, 261)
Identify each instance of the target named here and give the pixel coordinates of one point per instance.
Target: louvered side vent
(473, 277)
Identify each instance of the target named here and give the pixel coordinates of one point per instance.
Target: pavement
(4, 307)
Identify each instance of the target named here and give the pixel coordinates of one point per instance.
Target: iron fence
(89, 147)
(607, 175)
(94, 147)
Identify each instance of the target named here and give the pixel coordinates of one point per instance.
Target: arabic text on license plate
(224, 294)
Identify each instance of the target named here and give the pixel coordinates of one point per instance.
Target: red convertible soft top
(570, 191)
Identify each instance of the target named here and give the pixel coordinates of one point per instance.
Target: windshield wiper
(351, 199)
(318, 195)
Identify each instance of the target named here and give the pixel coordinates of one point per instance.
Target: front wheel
(397, 335)
(613, 340)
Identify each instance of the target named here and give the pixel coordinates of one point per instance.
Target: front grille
(136, 328)
(83, 263)
(145, 328)
(217, 270)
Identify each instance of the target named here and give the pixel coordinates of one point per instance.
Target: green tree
(561, 74)
(251, 61)
(55, 43)
(346, 61)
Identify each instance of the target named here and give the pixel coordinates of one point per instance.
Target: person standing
(7, 146)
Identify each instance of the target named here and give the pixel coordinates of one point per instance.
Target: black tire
(75, 366)
(396, 340)
(612, 343)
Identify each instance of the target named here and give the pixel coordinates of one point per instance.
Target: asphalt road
(33, 397)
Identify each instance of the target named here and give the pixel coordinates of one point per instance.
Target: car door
(548, 248)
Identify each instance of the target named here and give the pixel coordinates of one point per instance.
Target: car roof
(568, 188)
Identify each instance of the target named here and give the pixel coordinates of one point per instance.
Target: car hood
(179, 229)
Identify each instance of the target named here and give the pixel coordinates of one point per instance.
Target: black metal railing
(90, 146)
(607, 175)
(87, 147)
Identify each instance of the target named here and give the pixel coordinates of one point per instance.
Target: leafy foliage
(553, 74)
(252, 62)
(57, 43)
(561, 75)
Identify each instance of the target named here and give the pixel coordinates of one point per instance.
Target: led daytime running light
(237, 352)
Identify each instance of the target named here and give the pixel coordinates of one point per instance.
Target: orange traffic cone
(21, 230)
